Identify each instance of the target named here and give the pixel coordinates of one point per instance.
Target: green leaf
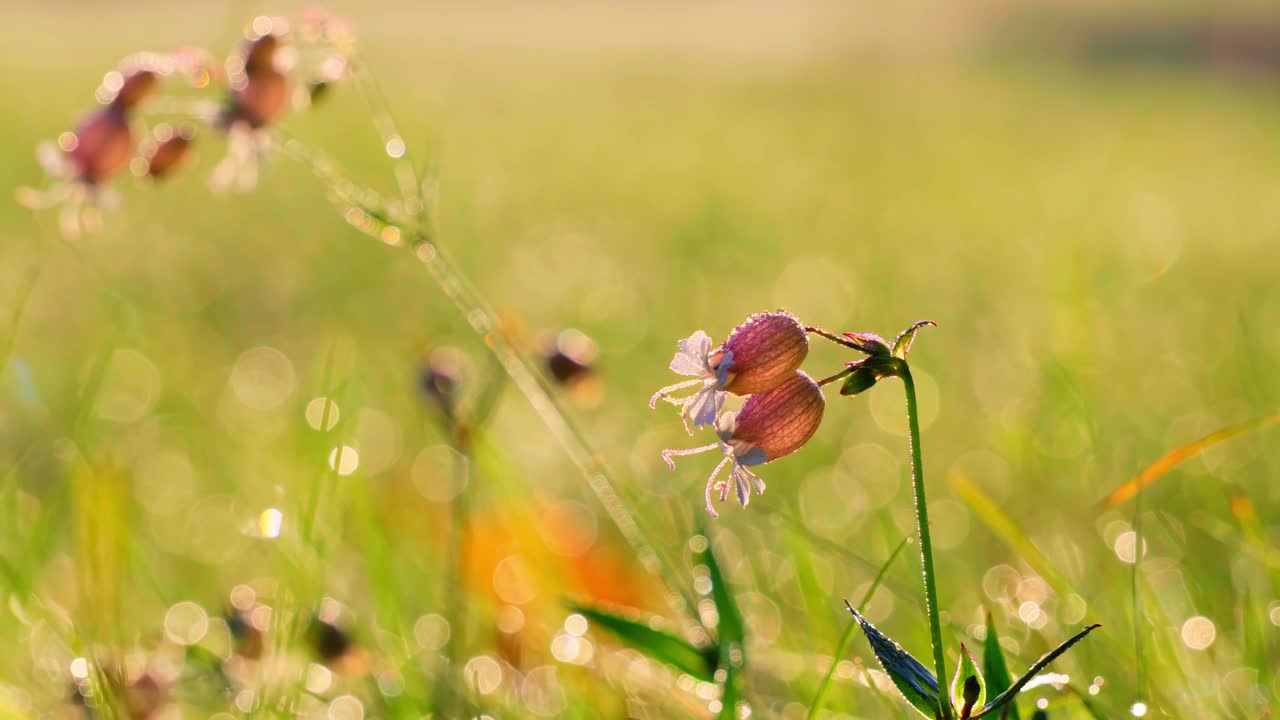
(1035, 669)
(913, 680)
(967, 688)
(657, 644)
(731, 630)
(994, 669)
(902, 343)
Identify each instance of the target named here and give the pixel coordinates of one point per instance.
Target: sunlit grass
(1097, 248)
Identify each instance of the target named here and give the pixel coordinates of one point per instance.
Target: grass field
(1098, 245)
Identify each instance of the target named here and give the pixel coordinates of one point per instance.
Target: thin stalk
(514, 361)
(1138, 657)
(456, 604)
(850, 631)
(926, 544)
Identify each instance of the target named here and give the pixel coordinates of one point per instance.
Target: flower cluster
(760, 360)
(259, 84)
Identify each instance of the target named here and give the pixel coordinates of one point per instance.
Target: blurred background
(224, 467)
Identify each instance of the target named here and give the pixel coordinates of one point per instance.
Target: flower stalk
(922, 528)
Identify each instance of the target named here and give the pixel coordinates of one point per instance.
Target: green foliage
(657, 644)
(967, 687)
(994, 669)
(913, 680)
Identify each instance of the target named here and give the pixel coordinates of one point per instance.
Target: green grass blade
(657, 644)
(1034, 670)
(1177, 456)
(843, 646)
(1007, 530)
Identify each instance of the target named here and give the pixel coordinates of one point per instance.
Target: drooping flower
(259, 96)
(83, 161)
(770, 425)
(761, 353)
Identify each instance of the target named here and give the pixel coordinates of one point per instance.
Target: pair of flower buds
(760, 360)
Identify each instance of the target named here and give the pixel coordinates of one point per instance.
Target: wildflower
(83, 161)
(771, 424)
(259, 96)
(760, 354)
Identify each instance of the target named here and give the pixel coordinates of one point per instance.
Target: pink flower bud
(770, 425)
(761, 353)
(782, 420)
(767, 348)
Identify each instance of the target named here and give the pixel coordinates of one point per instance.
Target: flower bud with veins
(760, 354)
(771, 424)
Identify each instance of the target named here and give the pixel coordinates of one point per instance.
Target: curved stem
(926, 545)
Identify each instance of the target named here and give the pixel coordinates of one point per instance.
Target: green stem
(926, 545)
(849, 631)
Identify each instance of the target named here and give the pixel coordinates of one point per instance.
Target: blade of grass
(851, 629)
(657, 644)
(1148, 475)
(1034, 670)
(999, 522)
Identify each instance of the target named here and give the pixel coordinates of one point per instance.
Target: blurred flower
(759, 354)
(770, 425)
(441, 380)
(570, 357)
(335, 647)
(166, 151)
(259, 96)
(82, 162)
(247, 636)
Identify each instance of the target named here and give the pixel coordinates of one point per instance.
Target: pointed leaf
(1039, 665)
(967, 688)
(912, 679)
(657, 644)
(902, 343)
(994, 669)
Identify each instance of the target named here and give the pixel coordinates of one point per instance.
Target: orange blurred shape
(552, 551)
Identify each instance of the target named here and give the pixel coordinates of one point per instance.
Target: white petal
(704, 407)
(741, 484)
(685, 365)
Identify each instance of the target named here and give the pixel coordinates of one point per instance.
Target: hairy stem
(926, 544)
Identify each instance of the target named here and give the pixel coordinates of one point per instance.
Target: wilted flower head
(771, 424)
(761, 353)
